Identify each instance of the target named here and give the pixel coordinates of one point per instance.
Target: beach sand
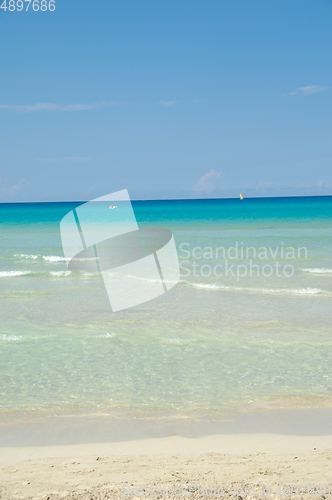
(231, 461)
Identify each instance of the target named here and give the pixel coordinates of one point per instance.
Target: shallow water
(257, 337)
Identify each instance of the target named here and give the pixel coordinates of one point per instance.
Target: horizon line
(183, 199)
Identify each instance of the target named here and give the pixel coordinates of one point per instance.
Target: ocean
(247, 327)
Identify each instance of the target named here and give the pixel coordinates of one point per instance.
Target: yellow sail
(241, 197)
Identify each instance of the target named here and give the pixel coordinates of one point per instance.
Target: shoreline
(80, 429)
(225, 444)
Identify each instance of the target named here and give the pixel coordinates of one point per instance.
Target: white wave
(292, 291)
(15, 338)
(54, 258)
(82, 259)
(58, 274)
(87, 274)
(47, 258)
(211, 286)
(26, 256)
(118, 275)
(9, 338)
(105, 336)
(317, 270)
(9, 274)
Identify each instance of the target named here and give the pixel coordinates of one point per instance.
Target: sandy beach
(110, 470)
(165, 250)
(225, 465)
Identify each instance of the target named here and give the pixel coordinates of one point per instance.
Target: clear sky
(169, 99)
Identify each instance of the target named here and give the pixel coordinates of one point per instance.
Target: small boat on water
(113, 206)
(241, 197)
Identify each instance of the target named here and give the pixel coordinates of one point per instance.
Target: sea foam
(10, 274)
(292, 291)
(317, 270)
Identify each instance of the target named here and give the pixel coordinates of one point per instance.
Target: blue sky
(173, 99)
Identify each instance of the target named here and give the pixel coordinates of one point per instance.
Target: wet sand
(235, 458)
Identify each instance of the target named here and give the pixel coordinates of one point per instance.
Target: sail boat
(241, 197)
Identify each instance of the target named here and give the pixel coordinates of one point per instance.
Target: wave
(60, 273)
(16, 338)
(24, 256)
(14, 274)
(11, 274)
(47, 258)
(148, 280)
(54, 258)
(105, 336)
(317, 270)
(9, 338)
(291, 291)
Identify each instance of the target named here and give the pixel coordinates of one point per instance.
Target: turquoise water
(248, 325)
